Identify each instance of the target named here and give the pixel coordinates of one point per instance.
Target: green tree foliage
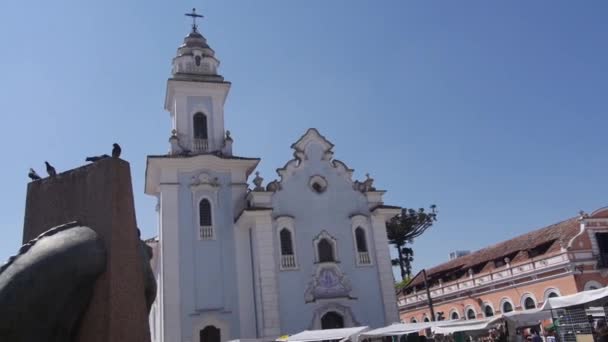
(403, 229)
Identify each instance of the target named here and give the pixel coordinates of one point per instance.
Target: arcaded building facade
(518, 274)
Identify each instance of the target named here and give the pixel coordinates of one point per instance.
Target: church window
(197, 60)
(325, 247)
(318, 184)
(210, 334)
(200, 127)
(286, 238)
(286, 245)
(288, 258)
(205, 220)
(326, 251)
(360, 226)
(363, 256)
(361, 242)
(332, 320)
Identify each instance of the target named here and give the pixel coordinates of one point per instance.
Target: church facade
(233, 261)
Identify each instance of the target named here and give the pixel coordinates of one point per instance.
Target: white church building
(238, 261)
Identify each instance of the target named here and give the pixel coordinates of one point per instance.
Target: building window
(288, 257)
(363, 257)
(551, 292)
(361, 242)
(454, 315)
(413, 320)
(318, 184)
(426, 319)
(286, 243)
(592, 285)
(210, 334)
(602, 244)
(507, 307)
(529, 303)
(200, 143)
(200, 126)
(471, 314)
(332, 320)
(205, 220)
(326, 251)
(488, 311)
(360, 226)
(325, 247)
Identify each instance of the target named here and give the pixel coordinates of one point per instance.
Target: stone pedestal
(99, 196)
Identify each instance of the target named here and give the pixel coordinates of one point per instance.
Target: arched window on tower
(326, 251)
(288, 258)
(205, 220)
(199, 122)
(362, 251)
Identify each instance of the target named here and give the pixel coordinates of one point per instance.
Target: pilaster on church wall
(267, 273)
(385, 273)
(169, 262)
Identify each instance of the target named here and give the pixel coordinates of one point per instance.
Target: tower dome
(195, 59)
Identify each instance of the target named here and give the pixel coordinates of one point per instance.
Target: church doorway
(210, 334)
(332, 320)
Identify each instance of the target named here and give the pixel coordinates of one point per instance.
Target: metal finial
(194, 15)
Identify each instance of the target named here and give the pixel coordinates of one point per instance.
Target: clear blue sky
(495, 111)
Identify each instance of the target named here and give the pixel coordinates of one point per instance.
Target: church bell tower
(195, 98)
(200, 187)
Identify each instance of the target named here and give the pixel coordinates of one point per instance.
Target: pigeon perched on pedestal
(33, 175)
(50, 169)
(97, 158)
(116, 150)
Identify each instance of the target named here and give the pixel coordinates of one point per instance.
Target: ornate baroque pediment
(304, 151)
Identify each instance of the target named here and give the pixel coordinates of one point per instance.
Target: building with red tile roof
(517, 274)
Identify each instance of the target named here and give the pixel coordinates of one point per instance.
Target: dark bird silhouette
(50, 169)
(33, 175)
(97, 158)
(116, 150)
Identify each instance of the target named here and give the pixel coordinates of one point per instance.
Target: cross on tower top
(194, 15)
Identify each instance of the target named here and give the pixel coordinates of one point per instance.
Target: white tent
(526, 318)
(327, 334)
(469, 325)
(575, 299)
(515, 319)
(398, 329)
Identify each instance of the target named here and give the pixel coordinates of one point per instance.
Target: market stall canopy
(327, 334)
(397, 329)
(580, 298)
(525, 318)
(470, 325)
